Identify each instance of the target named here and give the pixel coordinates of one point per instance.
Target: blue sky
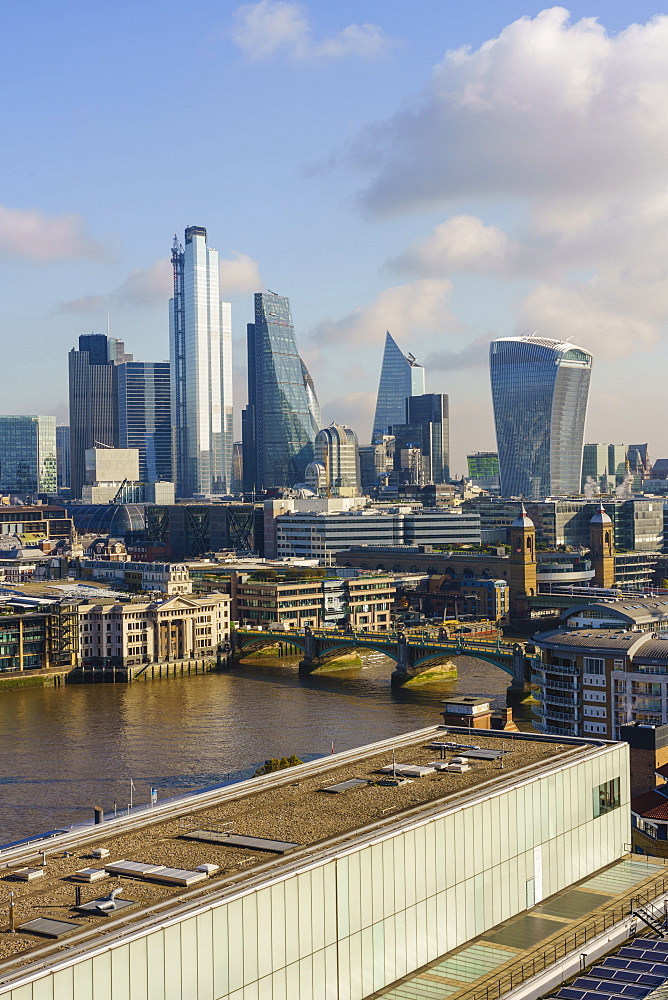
(441, 169)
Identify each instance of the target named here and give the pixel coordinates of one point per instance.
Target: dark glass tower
(400, 377)
(144, 417)
(427, 427)
(93, 402)
(539, 391)
(282, 417)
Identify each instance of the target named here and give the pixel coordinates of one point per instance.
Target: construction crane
(119, 491)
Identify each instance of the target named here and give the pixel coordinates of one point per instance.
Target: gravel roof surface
(298, 812)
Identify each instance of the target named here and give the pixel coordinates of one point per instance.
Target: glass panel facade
(201, 371)
(144, 417)
(400, 377)
(539, 390)
(282, 417)
(28, 455)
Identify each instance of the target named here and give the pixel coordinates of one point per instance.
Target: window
(606, 797)
(593, 665)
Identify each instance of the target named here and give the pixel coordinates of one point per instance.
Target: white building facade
(201, 370)
(348, 918)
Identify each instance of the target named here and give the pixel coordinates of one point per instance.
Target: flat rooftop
(215, 828)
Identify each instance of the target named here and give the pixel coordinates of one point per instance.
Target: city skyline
(527, 213)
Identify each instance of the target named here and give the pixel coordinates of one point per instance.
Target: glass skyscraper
(28, 455)
(427, 427)
(539, 391)
(144, 416)
(282, 417)
(201, 370)
(400, 376)
(93, 403)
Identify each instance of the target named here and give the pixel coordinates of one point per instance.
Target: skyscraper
(282, 417)
(400, 376)
(63, 462)
(144, 416)
(539, 391)
(200, 334)
(426, 427)
(28, 455)
(93, 403)
(336, 450)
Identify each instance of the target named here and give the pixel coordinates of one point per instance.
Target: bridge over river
(413, 653)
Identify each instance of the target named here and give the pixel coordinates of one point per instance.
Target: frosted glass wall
(356, 922)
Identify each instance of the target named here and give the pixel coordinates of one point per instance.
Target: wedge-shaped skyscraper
(282, 417)
(400, 377)
(200, 337)
(539, 391)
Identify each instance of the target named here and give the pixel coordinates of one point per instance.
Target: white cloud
(462, 242)
(239, 273)
(417, 307)
(548, 108)
(25, 232)
(154, 285)
(147, 286)
(561, 129)
(269, 26)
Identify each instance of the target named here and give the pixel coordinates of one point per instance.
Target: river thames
(66, 750)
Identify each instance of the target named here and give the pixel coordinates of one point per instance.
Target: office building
(93, 400)
(638, 459)
(337, 455)
(201, 371)
(116, 633)
(424, 437)
(144, 416)
(400, 377)
(315, 534)
(282, 417)
(376, 461)
(28, 455)
(366, 601)
(63, 456)
(603, 466)
(237, 467)
(539, 391)
(483, 469)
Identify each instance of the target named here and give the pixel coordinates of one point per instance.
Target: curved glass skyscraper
(282, 418)
(539, 392)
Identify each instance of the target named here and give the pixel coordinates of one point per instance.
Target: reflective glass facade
(539, 392)
(201, 370)
(28, 455)
(282, 417)
(93, 404)
(144, 417)
(400, 377)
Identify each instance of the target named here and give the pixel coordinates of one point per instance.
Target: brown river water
(65, 750)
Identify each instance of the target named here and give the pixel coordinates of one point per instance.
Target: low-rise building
(320, 534)
(595, 681)
(164, 578)
(39, 640)
(121, 634)
(268, 600)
